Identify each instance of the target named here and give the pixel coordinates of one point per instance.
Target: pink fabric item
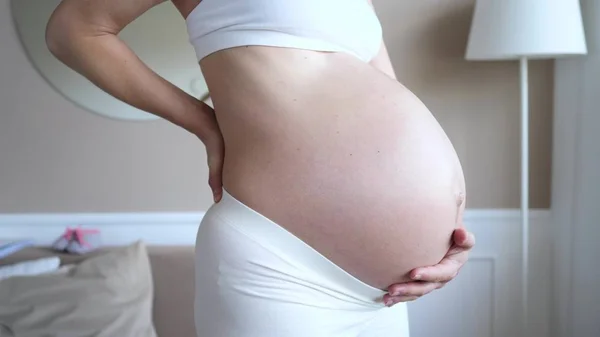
(78, 234)
(78, 240)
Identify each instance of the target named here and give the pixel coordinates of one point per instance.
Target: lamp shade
(512, 29)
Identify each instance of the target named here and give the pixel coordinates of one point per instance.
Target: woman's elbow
(58, 34)
(65, 30)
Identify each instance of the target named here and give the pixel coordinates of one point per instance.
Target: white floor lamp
(522, 30)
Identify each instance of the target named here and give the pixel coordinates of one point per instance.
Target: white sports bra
(349, 26)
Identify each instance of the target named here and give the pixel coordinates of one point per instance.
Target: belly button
(460, 199)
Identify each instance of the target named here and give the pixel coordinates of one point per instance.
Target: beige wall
(55, 157)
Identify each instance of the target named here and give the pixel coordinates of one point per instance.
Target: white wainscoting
(483, 301)
(116, 228)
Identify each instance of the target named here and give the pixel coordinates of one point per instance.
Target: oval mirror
(159, 38)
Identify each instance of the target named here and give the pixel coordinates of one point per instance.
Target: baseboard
(170, 228)
(116, 228)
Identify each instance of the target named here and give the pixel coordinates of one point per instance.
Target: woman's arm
(382, 60)
(83, 35)
(383, 63)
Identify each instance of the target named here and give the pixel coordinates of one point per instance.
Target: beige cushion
(109, 294)
(173, 270)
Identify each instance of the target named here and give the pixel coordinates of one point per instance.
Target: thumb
(463, 239)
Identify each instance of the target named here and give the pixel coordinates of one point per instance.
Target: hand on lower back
(215, 152)
(428, 279)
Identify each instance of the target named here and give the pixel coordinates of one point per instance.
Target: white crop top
(349, 26)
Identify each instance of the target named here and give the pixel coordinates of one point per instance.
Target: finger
(391, 301)
(215, 181)
(215, 184)
(442, 272)
(413, 289)
(463, 239)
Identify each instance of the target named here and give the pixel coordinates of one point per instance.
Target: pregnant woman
(332, 181)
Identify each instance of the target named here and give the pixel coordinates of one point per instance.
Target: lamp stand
(524, 192)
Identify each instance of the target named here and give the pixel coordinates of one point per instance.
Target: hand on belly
(426, 279)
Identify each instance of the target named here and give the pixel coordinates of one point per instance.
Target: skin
(83, 35)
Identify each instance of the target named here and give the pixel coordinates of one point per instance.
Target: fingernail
(418, 277)
(388, 302)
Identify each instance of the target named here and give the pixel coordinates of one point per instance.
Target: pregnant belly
(359, 170)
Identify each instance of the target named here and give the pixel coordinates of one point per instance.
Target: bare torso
(338, 153)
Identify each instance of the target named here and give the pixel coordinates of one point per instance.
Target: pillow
(30, 268)
(107, 295)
